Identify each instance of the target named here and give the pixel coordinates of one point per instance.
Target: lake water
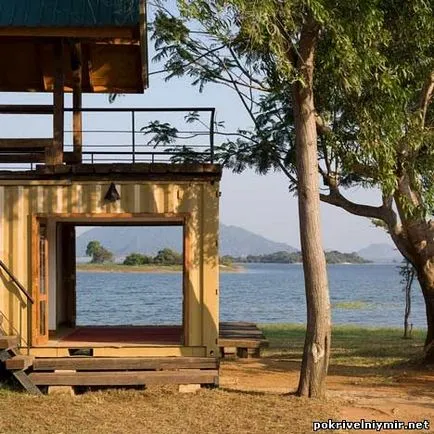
(368, 294)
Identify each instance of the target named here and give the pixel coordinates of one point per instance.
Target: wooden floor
(241, 339)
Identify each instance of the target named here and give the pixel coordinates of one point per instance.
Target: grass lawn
(364, 346)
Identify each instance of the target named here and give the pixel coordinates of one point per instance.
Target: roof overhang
(113, 58)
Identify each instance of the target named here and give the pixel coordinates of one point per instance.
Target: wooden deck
(241, 339)
(88, 356)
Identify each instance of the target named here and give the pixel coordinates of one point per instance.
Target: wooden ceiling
(117, 65)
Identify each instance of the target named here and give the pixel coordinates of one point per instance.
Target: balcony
(97, 136)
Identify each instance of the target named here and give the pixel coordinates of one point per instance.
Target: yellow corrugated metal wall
(19, 201)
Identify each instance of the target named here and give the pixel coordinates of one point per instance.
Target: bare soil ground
(405, 395)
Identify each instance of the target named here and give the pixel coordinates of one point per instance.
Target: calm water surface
(360, 294)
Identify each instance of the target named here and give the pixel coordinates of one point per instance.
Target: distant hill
(380, 253)
(234, 241)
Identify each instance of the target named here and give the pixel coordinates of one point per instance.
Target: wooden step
(243, 343)
(123, 378)
(19, 363)
(7, 342)
(123, 363)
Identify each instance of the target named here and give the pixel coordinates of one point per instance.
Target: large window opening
(119, 283)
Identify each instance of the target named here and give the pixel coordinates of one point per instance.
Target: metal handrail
(202, 150)
(29, 300)
(16, 281)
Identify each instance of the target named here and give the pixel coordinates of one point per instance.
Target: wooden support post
(77, 66)
(54, 154)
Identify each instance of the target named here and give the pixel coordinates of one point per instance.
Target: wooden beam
(86, 68)
(19, 363)
(54, 155)
(144, 44)
(7, 342)
(70, 32)
(26, 109)
(124, 363)
(23, 158)
(77, 124)
(26, 145)
(122, 378)
(242, 343)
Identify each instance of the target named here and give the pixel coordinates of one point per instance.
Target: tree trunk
(318, 334)
(425, 275)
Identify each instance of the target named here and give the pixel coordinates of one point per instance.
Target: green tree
(137, 259)
(168, 257)
(370, 98)
(92, 247)
(268, 39)
(98, 253)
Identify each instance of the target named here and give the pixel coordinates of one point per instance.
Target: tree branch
(384, 213)
(427, 93)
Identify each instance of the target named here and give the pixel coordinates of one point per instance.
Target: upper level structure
(63, 46)
(77, 46)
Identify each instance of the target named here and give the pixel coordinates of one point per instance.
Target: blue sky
(261, 204)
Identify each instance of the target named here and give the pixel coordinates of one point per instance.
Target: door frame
(110, 219)
(37, 337)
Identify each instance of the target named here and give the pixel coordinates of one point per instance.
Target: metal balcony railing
(115, 135)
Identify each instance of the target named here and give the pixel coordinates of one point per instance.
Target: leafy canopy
(373, 84)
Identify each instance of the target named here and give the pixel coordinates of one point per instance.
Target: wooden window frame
(113, 219)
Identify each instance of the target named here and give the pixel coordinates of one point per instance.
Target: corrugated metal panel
(68, 13)
(200, 200)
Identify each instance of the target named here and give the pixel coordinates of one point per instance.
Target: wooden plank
(127, 363)
(24, 145)
(49, 352)
(19, 363)
(27, 383)
(144, 43)
(149, 351)
(242, 343)
(29, 109)
(7, 342)
(77, 124)
(123, 378)
(71, 32)
(23, 158)
(54, 153)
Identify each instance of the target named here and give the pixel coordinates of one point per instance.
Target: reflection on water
(360, 294)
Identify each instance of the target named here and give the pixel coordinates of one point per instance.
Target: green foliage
(374, 61)
(137, 259)
(92, 247)
(283, 257)
(99, 254)
(168, 257)
(226, 260)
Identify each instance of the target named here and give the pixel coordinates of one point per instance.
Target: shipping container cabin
(49, 186)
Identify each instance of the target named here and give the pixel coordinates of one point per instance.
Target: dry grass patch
(161, 410)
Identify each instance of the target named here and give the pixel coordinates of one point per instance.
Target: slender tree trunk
(318, 334)
(425, 275)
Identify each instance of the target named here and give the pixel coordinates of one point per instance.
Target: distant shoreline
(151, 268)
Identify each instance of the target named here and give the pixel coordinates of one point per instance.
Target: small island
(284, 257)
(165, 261)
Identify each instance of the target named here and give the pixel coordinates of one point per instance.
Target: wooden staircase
(90, 371)
(17, 363)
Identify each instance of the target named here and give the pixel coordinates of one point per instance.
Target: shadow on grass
(356, 351)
